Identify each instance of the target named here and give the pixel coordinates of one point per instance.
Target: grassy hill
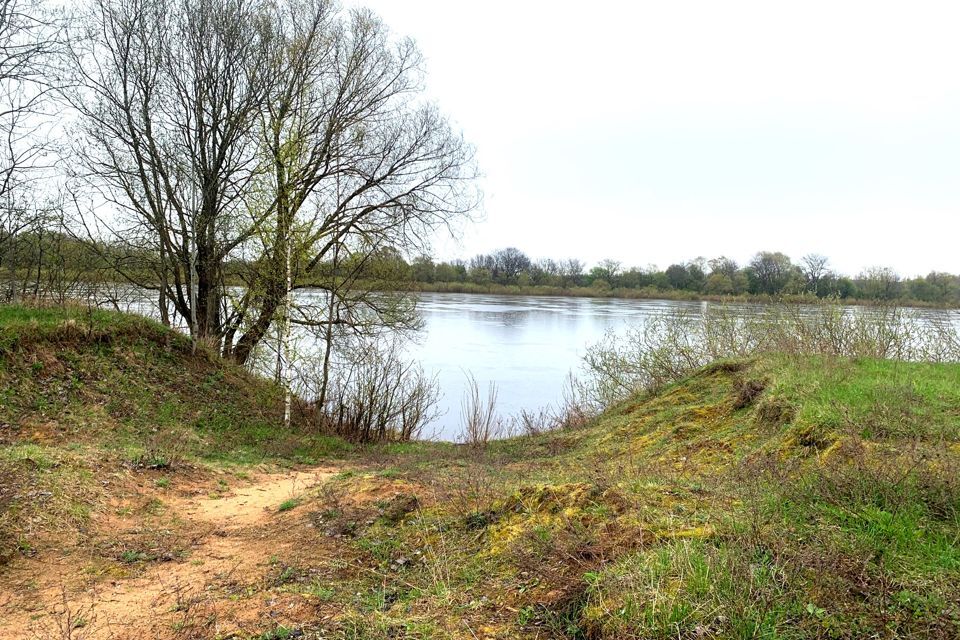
(85, 393)
(777, 498)
(781, 497)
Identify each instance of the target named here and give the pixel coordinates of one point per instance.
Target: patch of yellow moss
(541, 506)
(550, 497)
(686, 533)
(832, 449)
(641, 443)
(593, 613)
(677, 395)
(707, 415)
(504, 534)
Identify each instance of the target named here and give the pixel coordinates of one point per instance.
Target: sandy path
(234, 545)
(253, 504)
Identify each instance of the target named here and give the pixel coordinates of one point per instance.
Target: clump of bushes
(670, 346)
(374, 394)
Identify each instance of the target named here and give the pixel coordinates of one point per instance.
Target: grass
(824, 503)
(82, 390)
(279, 633)
(80, 365)
(777, 497)
(288, 504)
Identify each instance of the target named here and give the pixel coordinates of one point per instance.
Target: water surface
(526, 345)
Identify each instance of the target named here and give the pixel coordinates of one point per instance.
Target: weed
(747, 392)
(68, 621)
(288, 504)
(280, 633)
(131, 556)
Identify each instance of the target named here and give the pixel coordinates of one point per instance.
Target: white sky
(657, 131)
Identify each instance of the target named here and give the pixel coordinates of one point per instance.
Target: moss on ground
(782, 497)
(822, 502)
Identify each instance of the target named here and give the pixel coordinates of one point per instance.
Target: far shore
(643, 294)
(621, 293)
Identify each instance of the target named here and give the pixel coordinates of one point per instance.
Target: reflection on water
(526, 345)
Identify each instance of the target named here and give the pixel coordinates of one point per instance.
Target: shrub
(478, 414)
(374, 396)
(669, 346)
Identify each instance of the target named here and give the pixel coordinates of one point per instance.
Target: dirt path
(232, 541)
(250, 505)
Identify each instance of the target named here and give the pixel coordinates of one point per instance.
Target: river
(525, 345)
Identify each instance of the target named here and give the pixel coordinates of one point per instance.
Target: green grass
(131, 556)
(39, 456)
(826, 507)
(135, 386)
(879, 398)
(824, 504)
(279, 633)
(82, 390)
(288, 504)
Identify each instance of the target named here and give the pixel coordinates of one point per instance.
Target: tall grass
(480, 422)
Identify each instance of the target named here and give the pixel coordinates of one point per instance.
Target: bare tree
(249, 140)
(571, 270)
(724, 266)
(509, 263)
(30, 38)
(171, 93)
(357, 161)
(880, 283)
(607, 270)
(815, 268)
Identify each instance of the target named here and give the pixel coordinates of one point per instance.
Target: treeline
(772, 274)
(44, 261)
(50, 261)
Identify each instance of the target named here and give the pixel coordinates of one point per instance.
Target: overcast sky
(658, 131)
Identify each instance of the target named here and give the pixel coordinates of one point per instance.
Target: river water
(525, 345)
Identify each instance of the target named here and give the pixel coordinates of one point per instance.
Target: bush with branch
(373, 395)
(671, 345)
(479, 420)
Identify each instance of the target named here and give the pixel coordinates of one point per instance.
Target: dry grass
(777, 496)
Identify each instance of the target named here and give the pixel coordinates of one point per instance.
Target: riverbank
(641, 294)
(148, 490)
(85, 289)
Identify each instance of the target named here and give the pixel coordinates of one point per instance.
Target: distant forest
(55, 263)
(768, 273)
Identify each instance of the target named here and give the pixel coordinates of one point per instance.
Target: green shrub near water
(671, 345)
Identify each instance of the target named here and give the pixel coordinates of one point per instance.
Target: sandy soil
(231, 544)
